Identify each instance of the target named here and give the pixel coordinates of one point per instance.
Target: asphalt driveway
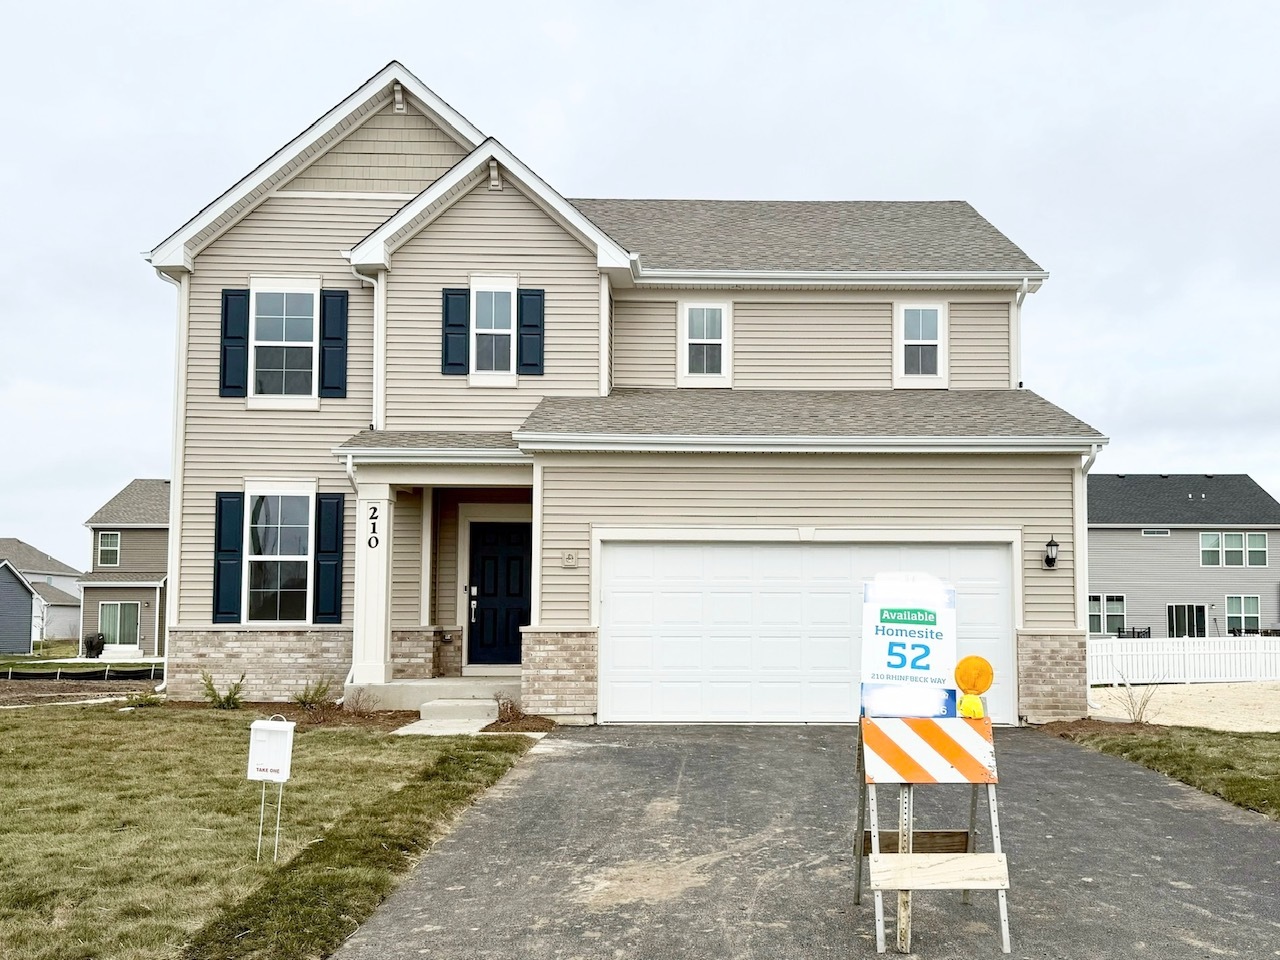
(735, 842)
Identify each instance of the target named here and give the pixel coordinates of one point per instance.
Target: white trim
(706, 380)
(120, 603)
(1156, 532)
(535, 569)
(1015, 342)
(171, 252)
(174, 559)
(436, 455)
(469, 513)
(259, 285)
(1251, 527)
(1004, 536)
(112, 584)
(905, 381)
(1226, 611)
(374, 250)
(606, 335)
(379, 281)
(156, 638)
(114, 526)
(1080, 540)
(97, 554)
(666, 443)
(428, 528)
(509, 284)
(346, 194)
(281, 488)
(905, 279)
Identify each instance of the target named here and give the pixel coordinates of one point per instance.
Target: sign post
(270, 760)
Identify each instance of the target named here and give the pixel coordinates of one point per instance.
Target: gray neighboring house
(17, 597)
(53, 606)
(1183, 555)
(124, 592)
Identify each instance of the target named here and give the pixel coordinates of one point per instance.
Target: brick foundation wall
(448, 662)
(559, 672)
(413, 654)
(1052, 676)
(276, 665)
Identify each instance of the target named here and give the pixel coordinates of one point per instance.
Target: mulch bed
(14, 692)
(1071, 729)
(330, 718)
(521, 725)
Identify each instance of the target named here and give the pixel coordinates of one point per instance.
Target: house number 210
(373, 525)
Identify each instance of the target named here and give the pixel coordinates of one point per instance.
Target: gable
(388, 153)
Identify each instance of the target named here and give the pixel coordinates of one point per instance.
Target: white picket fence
(1184, 660)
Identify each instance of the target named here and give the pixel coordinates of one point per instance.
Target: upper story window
(285, 322)
(108, 549)
(920, 345)
(278, 551)
(1155, 533)
(493, 332)
(1233, 549)
(706, 345)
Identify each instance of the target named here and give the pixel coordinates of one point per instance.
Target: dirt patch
(335, 718)
(1074, 729)
(24, 692)
(524, 724)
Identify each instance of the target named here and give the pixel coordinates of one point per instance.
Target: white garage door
(769, 632)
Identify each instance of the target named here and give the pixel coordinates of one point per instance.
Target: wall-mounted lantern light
(1051, 553)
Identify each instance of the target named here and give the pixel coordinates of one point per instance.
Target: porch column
(371, 653)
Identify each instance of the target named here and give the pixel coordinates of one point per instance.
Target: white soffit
(171, 254)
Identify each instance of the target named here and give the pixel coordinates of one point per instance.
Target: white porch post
(371, 654)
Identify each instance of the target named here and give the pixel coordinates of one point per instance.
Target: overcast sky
(1130, 148)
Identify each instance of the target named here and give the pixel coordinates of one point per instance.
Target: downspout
(378, 417)
(1015, 335)
(1082, 570)
(179, 442)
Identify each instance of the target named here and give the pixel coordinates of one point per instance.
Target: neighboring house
(435, 419)
(53, 612)
(17, 597)
(124, 593)
(1182, 555)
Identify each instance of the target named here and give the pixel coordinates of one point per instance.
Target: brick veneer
(448, 662)
(413, 654)
(1052, 676)
(559, 672)
(275, 665)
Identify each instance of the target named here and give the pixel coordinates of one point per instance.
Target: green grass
(132, 835)
(1242, 768)
(44, 650)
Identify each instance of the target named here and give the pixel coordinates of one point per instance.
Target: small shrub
(230, 700)
(359, 703)
(509, 710)
(143, 700)
(1137, 703)
(315, 697)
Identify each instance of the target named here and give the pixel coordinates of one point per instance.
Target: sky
(1130, 149)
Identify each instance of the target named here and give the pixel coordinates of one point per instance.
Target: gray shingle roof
(54, 596)
(783, 235)
(107, 577)
(809, 413)
(1180, 498)
(141, 502)
(26, 558)
(422, 440)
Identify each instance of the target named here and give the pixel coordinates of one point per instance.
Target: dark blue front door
(500, 584)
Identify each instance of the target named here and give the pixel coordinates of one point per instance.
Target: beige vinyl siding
(447, 581)
(1033, 494)
(93, 596)
(979, 343)
(812, 346)
(389, 153)
(406, 561)
(494, 232)
(227, 443)
(141, 551)
(644, 343)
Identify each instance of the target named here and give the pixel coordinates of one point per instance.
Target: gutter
(437, 456)
(667, 443)
(1021, 280)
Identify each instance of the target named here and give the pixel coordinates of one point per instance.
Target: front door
(499, 591)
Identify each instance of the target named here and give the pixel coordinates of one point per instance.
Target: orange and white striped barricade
(925, 750)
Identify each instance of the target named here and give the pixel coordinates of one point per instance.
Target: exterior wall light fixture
(1051, 553)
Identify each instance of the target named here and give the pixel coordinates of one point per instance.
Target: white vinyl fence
(1184, 660)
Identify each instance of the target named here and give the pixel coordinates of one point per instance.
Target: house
(436, 420)
(51, 605)
(1182, 555)
(125, 592)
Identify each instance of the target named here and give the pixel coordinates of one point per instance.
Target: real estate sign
(908, 646)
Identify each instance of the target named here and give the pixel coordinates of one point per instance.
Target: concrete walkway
(735, 842)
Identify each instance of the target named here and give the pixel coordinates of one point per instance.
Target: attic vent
(398, 92)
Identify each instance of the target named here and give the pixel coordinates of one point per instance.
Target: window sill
(506, 381)
(282, 403)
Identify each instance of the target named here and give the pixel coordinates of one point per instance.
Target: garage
(722, 632)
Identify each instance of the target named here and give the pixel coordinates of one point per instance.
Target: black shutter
(333, 343)
(327, 603)
(228, 556)
(234, 376)
(529, 327)
(455, 345)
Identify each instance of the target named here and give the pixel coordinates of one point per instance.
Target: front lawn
(1242, 768)
(44, 650)
(131, 835)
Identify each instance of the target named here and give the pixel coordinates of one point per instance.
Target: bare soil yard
(1241, 707)
(25, 692)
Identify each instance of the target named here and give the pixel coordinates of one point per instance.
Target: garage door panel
(827, 607)
(779, 699)
(726, 654)
(833, 653)
(729, 607)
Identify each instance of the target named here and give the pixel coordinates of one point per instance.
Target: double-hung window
(108, 549)
(1106, 613)
(493, 331)
(278, 549)
(284, 328)
(706, 345)
(1243, 615)
(920, 345)
(1233, 549)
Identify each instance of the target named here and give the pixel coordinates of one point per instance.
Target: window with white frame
(108, 549)
(706, 346)
(278, 541)
(1243, 615)
(493, 329)
(284, 328)
(920, 345)
(1186, 620)
(1106, 613)
(1233, 549)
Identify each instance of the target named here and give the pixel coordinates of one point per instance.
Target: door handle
(473, 611)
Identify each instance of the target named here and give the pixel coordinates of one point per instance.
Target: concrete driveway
(735, 842)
